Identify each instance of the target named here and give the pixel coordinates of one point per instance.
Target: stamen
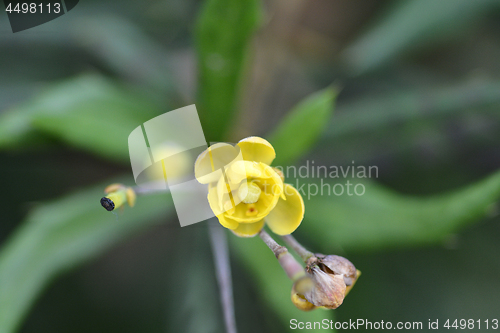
(251, 210)
(249, 192)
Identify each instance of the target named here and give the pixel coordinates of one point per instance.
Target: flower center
(249, 192)
(251, 210)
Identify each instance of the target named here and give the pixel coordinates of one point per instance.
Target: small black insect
(107, 203)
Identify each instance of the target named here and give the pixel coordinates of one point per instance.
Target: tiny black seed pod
(107, 203)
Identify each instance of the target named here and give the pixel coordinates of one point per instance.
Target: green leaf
(381, 218)
(300, 129)
(126, 50)
(223, 33)
(409, 25)
(60, 235)
(272, 282)
(377, 112)
(398, 121)
(88, 112)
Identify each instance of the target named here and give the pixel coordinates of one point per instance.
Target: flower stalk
(292, 268)
(297, 247)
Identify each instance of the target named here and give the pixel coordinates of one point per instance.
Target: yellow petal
(226, 223)
(113, 188)
(208, 164)
(302, 285)
(214, 201)
(272, 184)
(248, 229)
(265, 205)
(220, 204)
(286, 217)
(222, 191)
(257, 149)
(348, 288)
(131, 196)
(301, 303)
(247, 169)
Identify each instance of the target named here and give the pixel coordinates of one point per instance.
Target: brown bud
(331, 276)
(339, 266)
(329, 289)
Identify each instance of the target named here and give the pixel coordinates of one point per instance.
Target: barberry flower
(249, 192)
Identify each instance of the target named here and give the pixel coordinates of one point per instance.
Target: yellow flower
(248, 192)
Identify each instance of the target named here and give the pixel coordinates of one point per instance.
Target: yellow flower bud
(117, 195)
(300, 302)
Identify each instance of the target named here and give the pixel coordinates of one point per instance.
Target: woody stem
(145, 191)
(297, 247)
(220, 251)
(293, 269)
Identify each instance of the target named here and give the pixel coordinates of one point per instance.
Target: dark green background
(420, 99)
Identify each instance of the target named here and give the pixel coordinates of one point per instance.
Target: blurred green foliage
(120, 77)
(309, 118)
(71, 110)
(410, 25)
(56, 237)
(386, 219)
(222, 48)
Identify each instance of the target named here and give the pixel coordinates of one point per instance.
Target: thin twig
(271, 243)
(220, 251)
(297, 247)
(146, 191)
(293, 269)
